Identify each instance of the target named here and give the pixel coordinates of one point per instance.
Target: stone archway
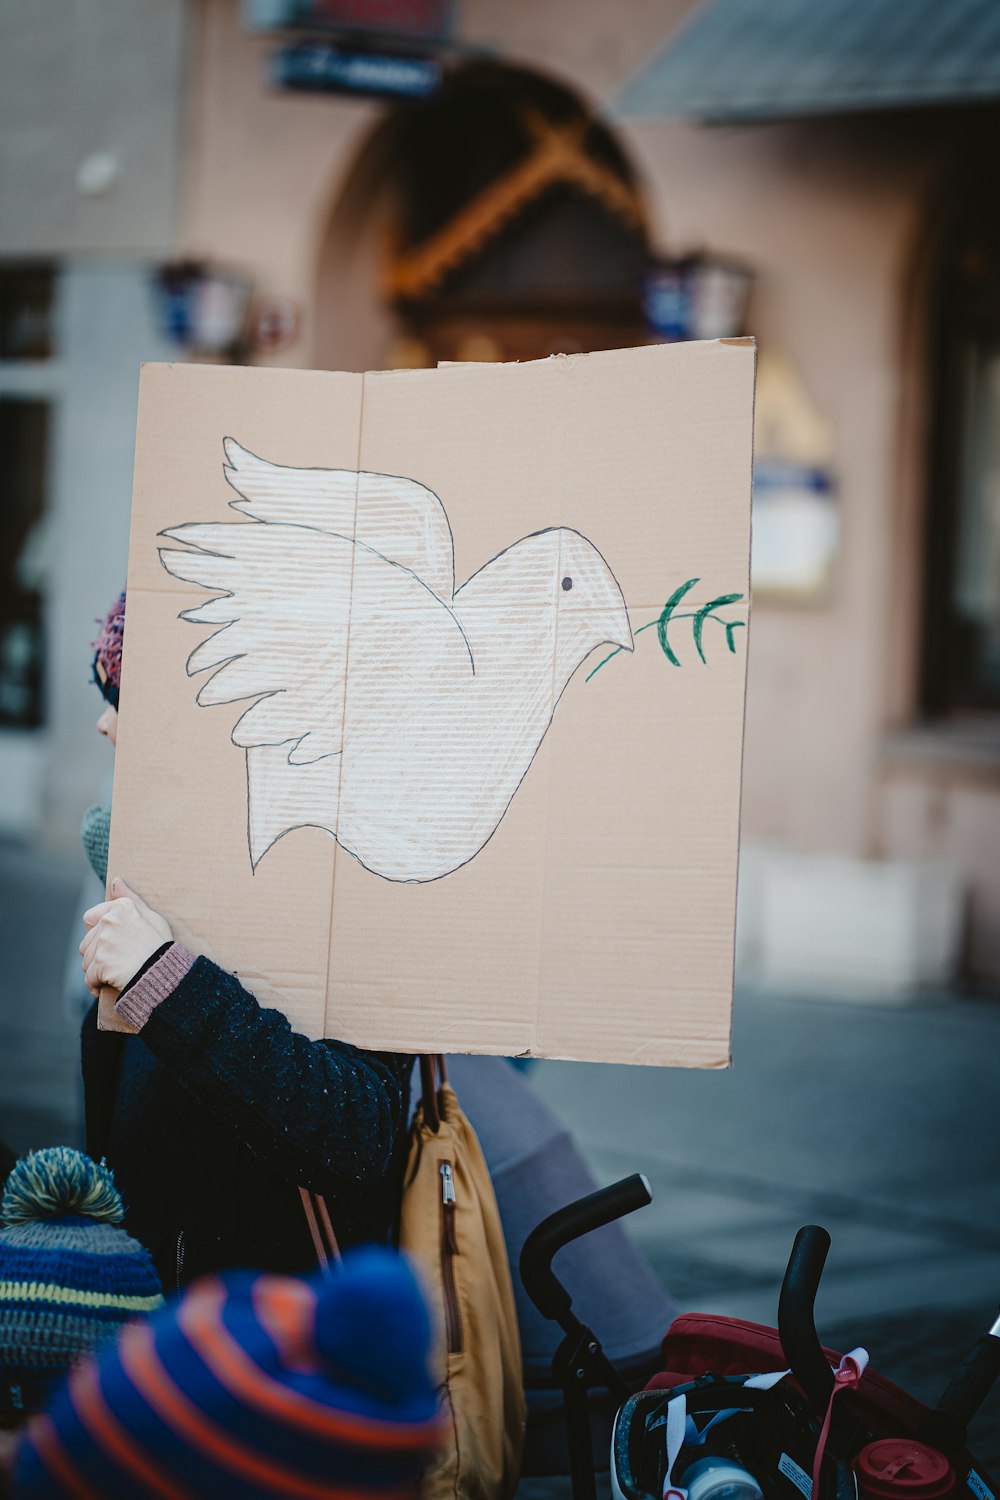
(501, 220)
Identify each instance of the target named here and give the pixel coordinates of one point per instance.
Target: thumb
(120, 889)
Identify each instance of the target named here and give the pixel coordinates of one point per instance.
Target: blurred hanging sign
(796, 516)
(320, 67)
(414, 20)
(201, 308)
(796, 530)
(696, 297)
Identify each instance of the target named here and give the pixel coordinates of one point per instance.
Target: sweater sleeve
(159, 977)
(322, 1114)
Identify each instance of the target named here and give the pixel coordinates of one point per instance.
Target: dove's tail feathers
(280, 799)
(264, 723)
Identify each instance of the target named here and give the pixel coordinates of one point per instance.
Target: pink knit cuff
(159, 981)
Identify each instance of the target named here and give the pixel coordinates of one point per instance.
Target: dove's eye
(567, 584)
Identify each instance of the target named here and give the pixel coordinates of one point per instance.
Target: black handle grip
(947, 1425)
(796, 1315)
(567, 1224)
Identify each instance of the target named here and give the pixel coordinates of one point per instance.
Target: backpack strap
(433, 1073)
(320, 1229)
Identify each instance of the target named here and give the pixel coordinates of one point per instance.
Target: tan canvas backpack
(450, 1227)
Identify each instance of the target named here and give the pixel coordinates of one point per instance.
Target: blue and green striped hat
(69, 1276)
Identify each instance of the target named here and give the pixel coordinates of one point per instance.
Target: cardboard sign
(432, 701)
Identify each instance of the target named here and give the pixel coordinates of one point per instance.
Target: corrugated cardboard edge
(108, 1018)
(743, 343)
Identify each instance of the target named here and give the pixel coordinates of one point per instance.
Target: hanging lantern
(201, 308)
(696, 297)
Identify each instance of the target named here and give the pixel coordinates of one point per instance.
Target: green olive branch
(669, 614)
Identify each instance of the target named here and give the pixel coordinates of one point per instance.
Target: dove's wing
(294, 605)
(397, 517)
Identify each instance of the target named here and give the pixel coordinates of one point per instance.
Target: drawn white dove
(392, 710)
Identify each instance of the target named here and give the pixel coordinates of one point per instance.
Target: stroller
(739, 1411)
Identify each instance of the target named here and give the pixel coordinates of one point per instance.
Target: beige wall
(951, 813)
(263, 168)
(79, 77)
(829, 215)
(826, 229)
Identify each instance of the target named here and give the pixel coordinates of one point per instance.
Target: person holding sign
(217, 1113)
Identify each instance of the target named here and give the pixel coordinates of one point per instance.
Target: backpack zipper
(180, 1258)
(449, 1249)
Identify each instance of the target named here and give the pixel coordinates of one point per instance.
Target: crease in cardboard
(343, 721)
(564, 371)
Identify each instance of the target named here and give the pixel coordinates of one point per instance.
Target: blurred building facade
(91, 100)
(520, 211)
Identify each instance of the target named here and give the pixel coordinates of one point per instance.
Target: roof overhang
(740, 61)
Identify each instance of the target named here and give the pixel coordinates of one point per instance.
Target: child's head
(108, 666)
(69, 1277)
(254, 1384)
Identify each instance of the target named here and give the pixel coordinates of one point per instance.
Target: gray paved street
(880, 1124)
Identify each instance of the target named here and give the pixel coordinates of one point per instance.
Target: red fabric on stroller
(697, 1343)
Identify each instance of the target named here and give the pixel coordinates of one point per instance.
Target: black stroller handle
(579, 1362)
(947, 1425)
(567, 1224)
(796, 1315)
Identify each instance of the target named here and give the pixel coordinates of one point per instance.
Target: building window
(962, 656)
(27, 303)
(976, 578)
(24, 444)
(26, 312)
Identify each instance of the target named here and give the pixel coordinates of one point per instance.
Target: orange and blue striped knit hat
(253, 1386)
(69, 1277)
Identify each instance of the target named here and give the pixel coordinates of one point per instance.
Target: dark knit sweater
(214, 1115)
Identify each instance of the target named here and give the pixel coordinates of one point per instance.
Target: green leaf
(663, 622)
(733, 625)
(703, 614)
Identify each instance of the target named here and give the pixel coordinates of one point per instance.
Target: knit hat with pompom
(108, 651)
(253, 1386)
(69, 1277)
